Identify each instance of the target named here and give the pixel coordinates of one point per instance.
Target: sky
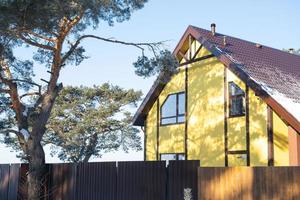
(273, 23)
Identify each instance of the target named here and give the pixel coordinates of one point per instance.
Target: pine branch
(29, 82)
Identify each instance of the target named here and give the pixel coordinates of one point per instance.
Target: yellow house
(232, 103)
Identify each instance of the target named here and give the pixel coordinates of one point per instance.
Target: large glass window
(173, 109)
(236, 100)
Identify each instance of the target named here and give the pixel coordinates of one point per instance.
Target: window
(181, 156)
(172, 156)
(236, 100)
(168, 156)
(173, 109)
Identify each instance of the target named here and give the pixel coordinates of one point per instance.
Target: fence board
(4, 181)
(141, 180)
(96, 181)
(13, 181)
(245, 183)
(182, 175)
(9, 175)
(22, 186)
(62, 181)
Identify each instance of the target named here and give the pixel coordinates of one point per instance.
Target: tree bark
(37, 166)
(35, 151)
(90, 148)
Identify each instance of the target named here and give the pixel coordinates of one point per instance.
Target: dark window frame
(236, 96)
(177, 111)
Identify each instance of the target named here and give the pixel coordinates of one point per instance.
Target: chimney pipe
(213, 28)
(224, 41)
(258, 45)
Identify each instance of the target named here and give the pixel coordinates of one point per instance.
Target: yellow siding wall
(206, 120)
(151, 133)
(258, 130)
(171, 137)
(236, 125)
(280, 138)
(206, 112)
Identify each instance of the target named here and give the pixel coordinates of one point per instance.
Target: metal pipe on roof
(213, 29)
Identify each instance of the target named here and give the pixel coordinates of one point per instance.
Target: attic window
(236, 100)
(173, 109)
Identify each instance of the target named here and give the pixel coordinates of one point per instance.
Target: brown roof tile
(276, 69)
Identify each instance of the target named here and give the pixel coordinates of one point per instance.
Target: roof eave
(141, 114)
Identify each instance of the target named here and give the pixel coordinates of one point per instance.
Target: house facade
(232, 103)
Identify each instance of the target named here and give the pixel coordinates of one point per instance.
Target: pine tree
(56, 29)
(87, 121)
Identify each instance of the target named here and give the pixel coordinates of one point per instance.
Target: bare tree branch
(13, 91)
(39, 36)
(152, 45)
(29, 82)
(66, 27)
(57, 60)
(30, 94)
(5, 68)
(4, 91)
(36, 44)
(7, 131)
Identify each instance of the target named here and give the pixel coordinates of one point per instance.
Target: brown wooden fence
(155, 181)
(243, 183)
(105, 181)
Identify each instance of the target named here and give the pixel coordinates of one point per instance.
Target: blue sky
(273, 23)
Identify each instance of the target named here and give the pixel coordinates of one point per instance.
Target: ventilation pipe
(291, 50)
(224, 40)
(213, 29)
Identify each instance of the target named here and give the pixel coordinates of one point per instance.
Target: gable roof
(274, 75)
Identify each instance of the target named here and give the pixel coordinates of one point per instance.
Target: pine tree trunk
(37, 166)
(87, 158)
(35, 151)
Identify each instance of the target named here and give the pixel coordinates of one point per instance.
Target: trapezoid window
(173, 109)
(236, 100)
